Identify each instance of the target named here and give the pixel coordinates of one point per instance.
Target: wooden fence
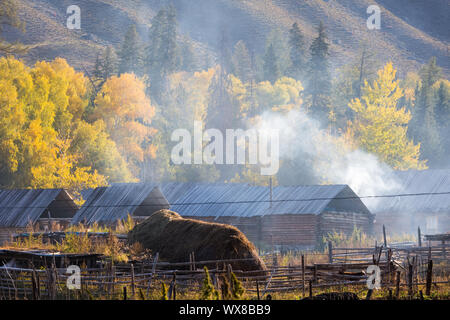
(399, 267)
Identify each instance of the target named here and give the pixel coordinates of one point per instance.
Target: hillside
(411, 30)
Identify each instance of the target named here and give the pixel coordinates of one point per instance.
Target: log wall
(295, 230)
(290, 230)
(344, 222)
(7, 233)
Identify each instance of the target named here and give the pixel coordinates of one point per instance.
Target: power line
(235, 202)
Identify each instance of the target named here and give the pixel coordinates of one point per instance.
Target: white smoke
(333, 162)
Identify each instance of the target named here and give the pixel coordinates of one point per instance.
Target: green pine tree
(242, 63)
(442, 112)
(237, 288)
(105, 65)
(297, 52)
(209, 292)
(188, 57)
(130, 57)
(271, 68)
(162, 52)
(424, 128)
(319, 82)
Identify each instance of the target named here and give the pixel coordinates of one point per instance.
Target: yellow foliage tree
(252, 174)
(57, 170)
(283, 95)
(380, 127)
(127, 114)
(43, 140)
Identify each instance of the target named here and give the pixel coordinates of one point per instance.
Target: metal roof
(315, 199)
(18, 208)
(416, 182)
(109, 204)
(174, 190)
(244, 200)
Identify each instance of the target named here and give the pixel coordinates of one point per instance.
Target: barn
(424, 202)
(41, 208)
(286, 217)
(107, 205)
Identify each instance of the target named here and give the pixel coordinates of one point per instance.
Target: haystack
(175, 238)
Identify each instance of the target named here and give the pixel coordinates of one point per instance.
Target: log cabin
(41, 209)
(288, 217)
(107, 205)
(423, 201)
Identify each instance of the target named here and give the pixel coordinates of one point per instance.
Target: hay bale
(175, 238)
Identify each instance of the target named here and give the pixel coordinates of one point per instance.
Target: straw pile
(175, 238)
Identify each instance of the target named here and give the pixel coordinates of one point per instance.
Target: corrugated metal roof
(325, 194)
(416, 182)
(20, 207)
(109, 204)
(175, 190)
(243, 200)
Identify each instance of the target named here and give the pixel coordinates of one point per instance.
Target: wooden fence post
(315, 273)
(174, 287)
(310, 289)
(419, 237)
(389, 267)
(410, 280)
(444, 252)
(257, 289)
(155, 261)
(34, 286)
(303, 275)
(330, 252)
(229, 271)
(429, 277)
(133, 291)
(397, 286)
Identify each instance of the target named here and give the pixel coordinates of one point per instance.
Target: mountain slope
(411, 30)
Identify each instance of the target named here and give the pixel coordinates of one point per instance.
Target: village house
(284, 217)
(108, 205)
(42, 209)
(423, 201)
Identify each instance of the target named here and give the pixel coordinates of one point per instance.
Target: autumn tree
(127, 113)
(380, 127)
(185, 101)
(40, 107)
(284, 94)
